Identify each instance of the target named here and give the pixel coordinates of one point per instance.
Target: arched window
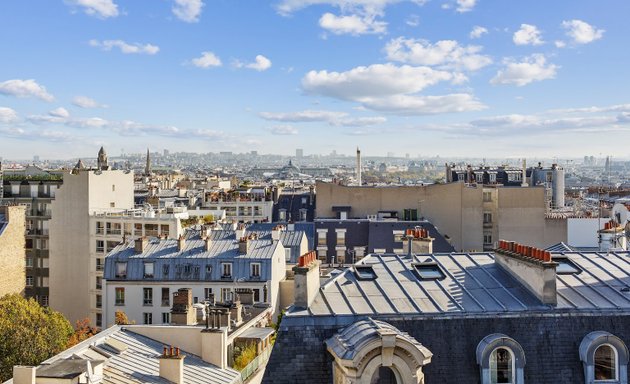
(605, 358)
(501, 360)
(501, 366)
(384, 375)
(605, 363)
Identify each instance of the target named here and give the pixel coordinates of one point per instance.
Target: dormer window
(605, 358)
(148, 270)
(121, 270)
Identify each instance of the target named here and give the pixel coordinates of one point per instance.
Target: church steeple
(101, 162)
(147, 168)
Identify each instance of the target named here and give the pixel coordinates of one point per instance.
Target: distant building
(299, 153)
(243, 205)
(291, 172)
(294, 205)
(13, 278)
(516, 315)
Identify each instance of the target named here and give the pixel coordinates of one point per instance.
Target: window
(487, 238)
(487, 218)
(164, 229)
(165, 297)
(227, 269)
(487, 197)
(501, 366)
(112, 205)
(341, 237)
(147, 296)
(605, 358)
(99, 228)
(29, 261)
(255, 270)
(208, 271)
(166, 317)
(206, 293)
(428, 270)
(605, 362)
(121, 270)
(303, 213)
(256, 295)
(120, 296)
(99, 282)
(111, 245)
(365, 272)
(99, 319)
(479, 177)
(148, 270)
(501, 359)
(113, 188)
(226, 294)
(99, 301)
(137, 227)
(165, 270)
(321, 238)
(147, 318)
(99, 264)
(100, 246)
(29, 281)
(44, 300)
(282, 215)
(566, 266)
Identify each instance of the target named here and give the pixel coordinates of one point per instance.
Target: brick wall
(12, 251)
(551, 346)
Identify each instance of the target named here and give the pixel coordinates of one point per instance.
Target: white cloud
(477, 32)
(560, 44)
(376, 80)
(425, 105)
(527, 35)
(283, 130)
(59, 112)
(188, 10)
(287, 7)
(86, 102)
(127, 48)
(307, 116)
(25, 88)
(8, 115)
(361, 121)
(207, 60)
(260, 64)
(413, 20)
(99, 8)
(465, 5)
(532, 68)
(443, 53)
(352, 24)
(581, 32)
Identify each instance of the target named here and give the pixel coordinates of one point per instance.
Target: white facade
(245, 211)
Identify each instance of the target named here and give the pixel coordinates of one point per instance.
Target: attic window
(365, 273)
(428, 271)
(566, 266)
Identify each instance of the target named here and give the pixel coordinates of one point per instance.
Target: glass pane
(501, 366)
(605, 364)
(383, 375)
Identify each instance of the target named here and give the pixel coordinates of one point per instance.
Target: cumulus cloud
(25, 88)
(527, 35)
(477, 32)
(126, 48)
(352, 24)
(284, 130)
(287, 7)
(465, 5)
(307, 116)
(8, 115)
(36, 135)
(86, 102)
(425, 105)
(188, 10)
(98, 8)
(532, 68)
(260, 64)
(361, 121)
(206, 60)
(59, 112)
(446, 53)
(560, 44)
(581, 32)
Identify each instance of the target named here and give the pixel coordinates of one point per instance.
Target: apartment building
(142, 274)
(35, 189)
(12, 251)
(242, 205)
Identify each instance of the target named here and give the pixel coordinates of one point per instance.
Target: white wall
(583, 232)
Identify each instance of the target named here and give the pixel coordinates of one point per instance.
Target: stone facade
(12, 250)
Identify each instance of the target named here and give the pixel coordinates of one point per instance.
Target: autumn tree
(83, 331)
(29, 333)
(122, 319)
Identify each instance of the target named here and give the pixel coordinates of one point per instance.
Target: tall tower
(147, 168)
(101, 162)
(359, 181)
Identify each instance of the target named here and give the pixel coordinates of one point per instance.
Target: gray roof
(138, 363)
(3, 223)
(559, 247)
(473, 284)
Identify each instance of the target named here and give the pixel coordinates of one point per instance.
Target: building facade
(13, 278)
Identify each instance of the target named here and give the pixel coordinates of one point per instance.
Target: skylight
(365, 273)
(428, 271)
(566, 266)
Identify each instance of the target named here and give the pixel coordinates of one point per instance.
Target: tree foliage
(82, 332)
(122, 319)
(29, 333)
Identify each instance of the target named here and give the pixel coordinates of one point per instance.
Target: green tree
(29, 333)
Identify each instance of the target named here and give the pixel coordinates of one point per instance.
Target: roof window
(566, 266)
(428, 270)
(365, 272)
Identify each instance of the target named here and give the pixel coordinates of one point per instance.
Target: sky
(458, 78)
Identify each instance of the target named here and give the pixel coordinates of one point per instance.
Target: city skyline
(449, 78)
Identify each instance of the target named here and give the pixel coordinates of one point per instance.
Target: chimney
(524, 181)
(359, 180)
(240, 231)
(140, 244)
(418, 241)
(214, 343)
(23, 374)
(183, 312)
(306, 279)
(172, 365)
(181, 243)
(612, 236)
(530, 266)
(243, 245)
(275, 232)
(207, 242)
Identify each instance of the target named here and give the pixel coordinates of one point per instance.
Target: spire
(147, 168)
(101, 162)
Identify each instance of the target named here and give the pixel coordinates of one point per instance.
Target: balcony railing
(259, 361)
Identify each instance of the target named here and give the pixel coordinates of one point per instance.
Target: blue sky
(436, 77)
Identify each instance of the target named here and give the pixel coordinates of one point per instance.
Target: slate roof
(473, 284)
(559, 247)
(3, 223)
(138, 363)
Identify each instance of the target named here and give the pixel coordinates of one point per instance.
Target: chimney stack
(181, 243)
(418, 241)
(306, 279)
(531, 266)
(612, 236)
(524, 181)
(207, 242)
(359, 180)
(140, 244)
(24, 374)
(183, 312)
(240, 231)
(172, 365)
(275, 232)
